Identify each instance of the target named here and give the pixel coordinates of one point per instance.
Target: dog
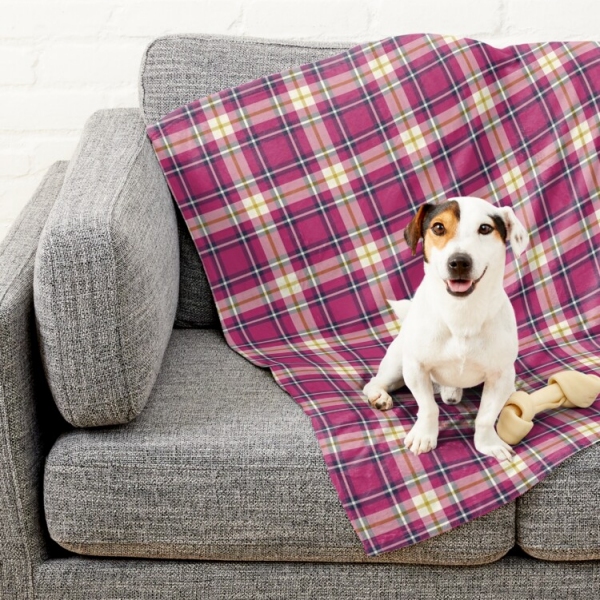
(459, 330)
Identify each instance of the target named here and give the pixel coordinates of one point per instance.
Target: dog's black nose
(460, 265)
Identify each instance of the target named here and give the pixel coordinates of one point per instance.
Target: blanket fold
(296, 189)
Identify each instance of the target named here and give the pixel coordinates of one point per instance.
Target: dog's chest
(459, 362)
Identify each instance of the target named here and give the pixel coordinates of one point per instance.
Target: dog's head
(464, 240)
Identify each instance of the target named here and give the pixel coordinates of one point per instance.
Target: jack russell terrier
(459, 330)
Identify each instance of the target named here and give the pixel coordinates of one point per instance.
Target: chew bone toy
(570, 389)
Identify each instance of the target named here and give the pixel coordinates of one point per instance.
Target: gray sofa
(135, 466)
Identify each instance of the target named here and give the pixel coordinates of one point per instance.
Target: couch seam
(13, 477)
(292, 42)
(141, 88)
(533, 552)
(126, 378)
(61, 378)
(485, 560)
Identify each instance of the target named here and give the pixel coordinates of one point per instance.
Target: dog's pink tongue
(459, 285)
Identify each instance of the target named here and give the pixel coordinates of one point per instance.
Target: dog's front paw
(488, 442)
(422, 437)
(377, 396)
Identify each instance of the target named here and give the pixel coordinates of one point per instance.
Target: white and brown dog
(459, 330)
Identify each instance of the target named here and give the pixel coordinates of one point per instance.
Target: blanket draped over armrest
(296, 189)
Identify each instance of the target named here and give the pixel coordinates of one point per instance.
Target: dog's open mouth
(462, 287)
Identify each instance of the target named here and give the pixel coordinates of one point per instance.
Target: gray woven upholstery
(511, 578)
(182, 68)
(107, 274)
(559, 518)
(25, 404)
(221, 465)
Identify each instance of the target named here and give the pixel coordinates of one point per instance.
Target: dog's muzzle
(460, 282)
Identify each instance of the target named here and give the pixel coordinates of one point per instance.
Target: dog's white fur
(455, 342)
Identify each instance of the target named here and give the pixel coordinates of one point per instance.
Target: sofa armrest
(27, 423)
(106, 279)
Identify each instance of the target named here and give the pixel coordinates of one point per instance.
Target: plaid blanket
(296, 189)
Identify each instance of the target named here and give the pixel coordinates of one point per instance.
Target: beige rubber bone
(570, 389)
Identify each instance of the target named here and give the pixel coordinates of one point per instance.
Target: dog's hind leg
(388, 378)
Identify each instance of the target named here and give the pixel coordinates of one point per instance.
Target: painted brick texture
(60, 60)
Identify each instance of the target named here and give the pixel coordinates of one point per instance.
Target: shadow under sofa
(217, 487)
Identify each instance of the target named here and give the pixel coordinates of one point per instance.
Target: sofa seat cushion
(221, 464)
(558, 519)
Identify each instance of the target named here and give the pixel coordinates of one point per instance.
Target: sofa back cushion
(179, 69)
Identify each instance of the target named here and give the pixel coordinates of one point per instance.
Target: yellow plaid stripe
(255, 206)
(427, 503)
(288, 284)
(302, 97)
(582, 135)
(549, 62)
(483, 100)
(561, 330)
(381, 66)
(589, 429)
(513, 180)
(413, 139)
(335, 176)
(368, 255)
(220, 126)
(317, 344)
(536, 257)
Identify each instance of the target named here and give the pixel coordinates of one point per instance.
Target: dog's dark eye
(485, 229)
(438, 229)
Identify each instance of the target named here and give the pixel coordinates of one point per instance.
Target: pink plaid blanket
(296, 189)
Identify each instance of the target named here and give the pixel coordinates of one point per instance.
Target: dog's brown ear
(414, 231)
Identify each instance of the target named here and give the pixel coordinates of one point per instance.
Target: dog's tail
(400, 308)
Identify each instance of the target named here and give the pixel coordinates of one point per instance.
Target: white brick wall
(60, 60)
